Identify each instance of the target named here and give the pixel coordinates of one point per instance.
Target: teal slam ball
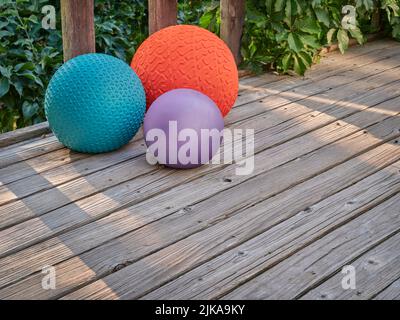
(95, 103)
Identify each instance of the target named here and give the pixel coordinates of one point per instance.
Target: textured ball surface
(95, 103)
(173, 114)
(187, 57)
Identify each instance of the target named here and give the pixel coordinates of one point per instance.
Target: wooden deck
(324, 194)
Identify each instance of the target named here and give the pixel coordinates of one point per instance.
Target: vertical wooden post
(77, 18)
(232, 22)
(376, 20)
(162, 13)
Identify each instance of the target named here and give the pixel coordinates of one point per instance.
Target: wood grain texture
(327, 153)
(171, 262)
(289, 115)
(96, 201)
(17, 237)
(162, 13)
(166, 203)
(392, 292)
(246, 223)
(218, 206)
(374, 271)
(290, 221)
(23, 134)
(326, 256)
(28, 149)
(232, 23)
(332, 63)
(77, 19)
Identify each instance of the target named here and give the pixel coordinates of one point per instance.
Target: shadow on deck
(324, 194)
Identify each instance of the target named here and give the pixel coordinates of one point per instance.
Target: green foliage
(392, 10)
(282, 35)
(29, 55)
(121, 26)
(287, 35)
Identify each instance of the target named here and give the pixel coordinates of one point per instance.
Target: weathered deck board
(95, 231)
(327, 159)
(43, 164)
(325, 69)
(164, 265)
(376, 270)
(180, 226)
(275, 124)
(287, 223)
(325, 256)
(34, 230)
(392, 292)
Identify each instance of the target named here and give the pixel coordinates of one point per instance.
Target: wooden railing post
(232, 22)
(77, 18)
(162, 13)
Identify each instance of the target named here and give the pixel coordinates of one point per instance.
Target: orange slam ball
(189, 57)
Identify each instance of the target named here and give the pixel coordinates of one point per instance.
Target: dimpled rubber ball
(95, 103)
(187, 57)
(191, 125)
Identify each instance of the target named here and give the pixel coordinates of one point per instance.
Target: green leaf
(367, 4)
(330, 35)
(357, 34)
(27, 74)
(5, 33)
(299, 66)
(31, 76)
(4, 86)
(294, 42)
(286, 61)
(322, 16)
(310, 41)
(33, 19)
(306, 57)
(309, 25)
(343, 40)
(5, 72)
(3, 24)
(206, 19)
(19, 87)
(29, 109)
(290, 9)
(281, 36)
(279, 5)
(24, 66)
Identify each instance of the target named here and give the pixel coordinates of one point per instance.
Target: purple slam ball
(183, 129)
